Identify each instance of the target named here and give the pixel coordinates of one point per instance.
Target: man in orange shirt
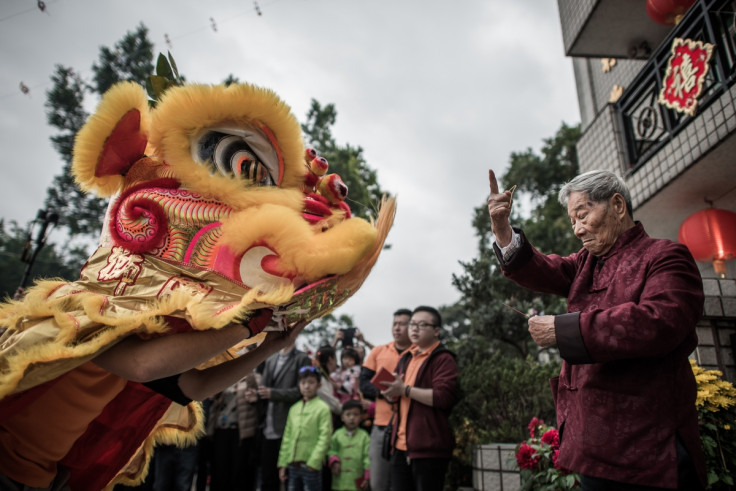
(426, 389)
(384, 356)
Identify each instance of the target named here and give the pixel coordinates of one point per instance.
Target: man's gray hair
(599, 185)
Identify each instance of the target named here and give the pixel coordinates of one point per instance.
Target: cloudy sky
(435, 92)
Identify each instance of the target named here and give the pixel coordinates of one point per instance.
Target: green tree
(79, 213)
(48, 264)
(130, 59)
(322, 331)
(540, 177)
(364, 195)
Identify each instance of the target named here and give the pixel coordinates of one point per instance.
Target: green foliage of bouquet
(716, 404)
(537, 459)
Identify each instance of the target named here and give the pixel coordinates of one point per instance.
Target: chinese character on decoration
(686, 70)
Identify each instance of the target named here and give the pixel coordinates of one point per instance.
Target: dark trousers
(417, 474)
(269, 465)
(687, 477)
(250, 452)
(174, 467)
(303, 479)
(204, 459)
(225, 460)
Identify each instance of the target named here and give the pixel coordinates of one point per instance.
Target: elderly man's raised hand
(499, 209)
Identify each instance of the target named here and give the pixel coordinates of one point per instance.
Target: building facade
(676, 159)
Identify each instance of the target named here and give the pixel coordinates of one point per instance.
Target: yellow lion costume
(218, 212)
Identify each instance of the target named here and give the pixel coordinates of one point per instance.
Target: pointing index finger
(492, 181)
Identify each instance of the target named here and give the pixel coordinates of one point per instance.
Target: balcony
(647, 125)
(609, 28)
(698, 149)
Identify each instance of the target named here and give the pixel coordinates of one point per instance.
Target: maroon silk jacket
(626, 387)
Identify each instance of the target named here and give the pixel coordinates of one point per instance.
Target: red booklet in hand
(382, 375)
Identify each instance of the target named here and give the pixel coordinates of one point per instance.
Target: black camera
(348, 337)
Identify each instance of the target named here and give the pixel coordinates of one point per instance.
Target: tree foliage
(364, 195)
(511, 391)
(322, 331)
(131, 59)
(48, 264)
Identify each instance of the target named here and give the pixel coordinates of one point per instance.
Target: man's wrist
(512, 246)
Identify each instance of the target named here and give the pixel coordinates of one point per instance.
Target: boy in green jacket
(349, 457)
(306, 436)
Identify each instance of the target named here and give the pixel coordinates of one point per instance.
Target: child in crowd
(306, 436)
(349, 451)
(347, 376)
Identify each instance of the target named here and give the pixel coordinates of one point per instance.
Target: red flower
(527, 457)
(533, 424)
(552, 438)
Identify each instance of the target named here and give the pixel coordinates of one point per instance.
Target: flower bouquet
(716, 405)
(537, 459)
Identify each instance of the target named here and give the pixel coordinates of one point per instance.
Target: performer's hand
(276, 340)
(499, 209)
(264, 392)
(335, 469)
(282, 474)
(542, 329)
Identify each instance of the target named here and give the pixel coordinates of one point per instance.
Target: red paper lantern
(711, 236)
(668, 12)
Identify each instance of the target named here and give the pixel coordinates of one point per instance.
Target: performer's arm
(142, 360)
(199, 384)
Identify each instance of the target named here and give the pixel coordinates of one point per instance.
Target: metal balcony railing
(647, 125)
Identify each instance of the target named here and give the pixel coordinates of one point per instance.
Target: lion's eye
(231, 155)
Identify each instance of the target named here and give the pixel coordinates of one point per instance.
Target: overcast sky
(435, 92)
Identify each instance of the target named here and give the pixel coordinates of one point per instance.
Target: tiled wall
(599, 146)
(710, 127)
(715, 333)
(716, 340)
(494, 467)
(594, 85)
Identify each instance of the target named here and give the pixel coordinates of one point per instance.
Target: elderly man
(625, 396)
